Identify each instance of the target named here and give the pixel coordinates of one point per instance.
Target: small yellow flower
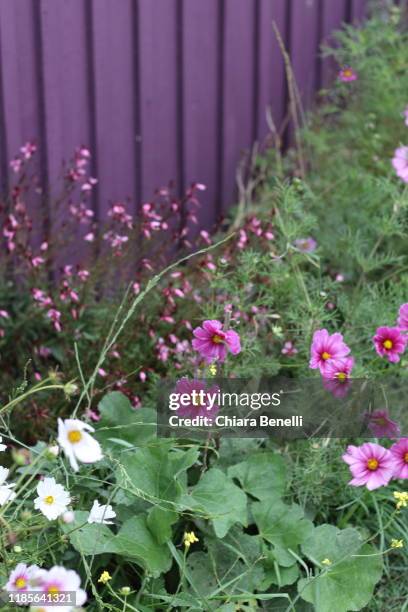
(212, 369)
(397, 543)
(326, 562)
(105, 577)
(189, 538)
(401, 497)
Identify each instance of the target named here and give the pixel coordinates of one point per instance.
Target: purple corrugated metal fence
(158, 89)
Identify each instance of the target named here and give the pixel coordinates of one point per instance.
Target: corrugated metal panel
(160, 90)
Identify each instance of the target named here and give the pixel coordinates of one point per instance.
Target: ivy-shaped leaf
(282, 525)
(348, 575)
(121, 425)
(217, 497)
(262, 475)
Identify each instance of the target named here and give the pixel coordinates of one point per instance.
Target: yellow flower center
(49, 500)
(74, 436)
(217, 339)
(347, 72)
(372, 464)
(387, 344)
(341, 376)
(406, 457)
(21, 583)
(326, 355)
(53, 589)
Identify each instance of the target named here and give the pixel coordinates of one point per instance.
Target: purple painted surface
(271, 75)
(160, 89)
(333, 15)
(114, 103)
(201, 140)
(238, 94)
(304, 46)
(158, 92)
(358, 9)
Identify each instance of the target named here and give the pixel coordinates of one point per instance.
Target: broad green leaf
(201, 572)
(276, 574)
(120, 421)
(155, 473)
(237, 560)
(135, 540)
(88, 539)
(160, 521)
(262, 475)
(219, 499)
(347, 584)
(282, 525)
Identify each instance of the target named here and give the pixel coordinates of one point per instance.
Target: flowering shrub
(312, 284)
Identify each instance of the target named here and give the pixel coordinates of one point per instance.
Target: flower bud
(52, 451)
(68, 517)
(125, 590)
(70, 389)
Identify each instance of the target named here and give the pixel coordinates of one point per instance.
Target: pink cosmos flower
(370, 464)
(339, 370)
(400, 163)
(326, 349)
(389, 342)
(381, 425)
(336, 376)
(21, 577)
(403, 317)
(213, 343)
(399, 452)
(57, 580)
(347, 74)
(306, 245)
(199, 403)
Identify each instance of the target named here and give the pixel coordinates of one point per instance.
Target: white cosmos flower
(52, 499)
(101, 514)
(2, 446)
(6, 494)
(77, 443)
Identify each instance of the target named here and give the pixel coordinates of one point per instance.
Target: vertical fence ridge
(136, 102)
(221, 103)
(42, 122)
(255, 78)
(180, 96)
(90, 69)
(3, 131)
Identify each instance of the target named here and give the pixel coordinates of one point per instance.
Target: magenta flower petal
(213, 343)
(390, 343)
(370, 464)
(326, 349)
(403, 317)
(399, 452)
